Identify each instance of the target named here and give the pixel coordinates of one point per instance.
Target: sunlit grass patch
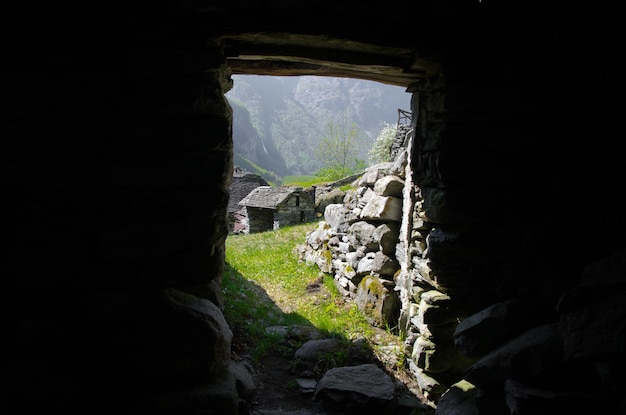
(265, 284)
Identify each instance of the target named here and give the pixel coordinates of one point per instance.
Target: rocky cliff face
(251, 149)
(278, 121)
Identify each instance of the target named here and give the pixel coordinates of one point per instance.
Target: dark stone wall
(116, 158)
(527, 166)
(259, 219)
(518, 165)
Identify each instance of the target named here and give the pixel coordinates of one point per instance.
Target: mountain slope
(279, 121)
(249, 145)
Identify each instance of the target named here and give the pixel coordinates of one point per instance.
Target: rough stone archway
(117, 154)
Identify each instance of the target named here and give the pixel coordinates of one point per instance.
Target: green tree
(339, 148)
(381, 150)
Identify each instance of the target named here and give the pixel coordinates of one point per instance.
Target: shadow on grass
(266, 333)
(259, 326)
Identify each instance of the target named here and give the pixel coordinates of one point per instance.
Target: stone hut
(269, 207)
(242, 184)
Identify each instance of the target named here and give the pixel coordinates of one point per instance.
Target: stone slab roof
(241, 186)
(268, 197)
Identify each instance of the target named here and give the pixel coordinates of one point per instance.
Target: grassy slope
(266, 284)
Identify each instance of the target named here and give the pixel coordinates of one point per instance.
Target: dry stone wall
(413, 258)
(357, 239)
(375, 246)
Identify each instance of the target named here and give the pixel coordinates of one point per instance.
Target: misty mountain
(279, 121)
(252, 151)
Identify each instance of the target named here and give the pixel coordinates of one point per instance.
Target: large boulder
(364, 389)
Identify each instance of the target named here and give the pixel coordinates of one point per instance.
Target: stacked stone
(544, 354)
(404, 133)
(376, 245)
(428, 318)
(356, 242)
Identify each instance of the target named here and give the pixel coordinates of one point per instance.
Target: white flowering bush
(381, 150)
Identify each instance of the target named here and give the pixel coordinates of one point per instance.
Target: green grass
(302, 181)
(265, 284)
(308, 181)
(346, 187)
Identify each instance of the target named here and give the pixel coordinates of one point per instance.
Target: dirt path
(277, 372)
(279, 393)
